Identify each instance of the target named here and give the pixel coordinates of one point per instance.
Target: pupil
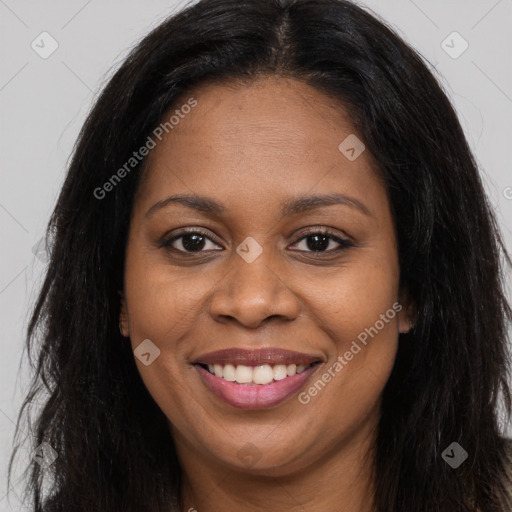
(321, 242)
(197, 243)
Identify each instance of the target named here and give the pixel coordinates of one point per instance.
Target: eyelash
(344, 244)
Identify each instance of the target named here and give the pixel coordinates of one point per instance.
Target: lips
(257, 357)
(254, 379)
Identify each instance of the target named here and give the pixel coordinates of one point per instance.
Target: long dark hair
(115, 452)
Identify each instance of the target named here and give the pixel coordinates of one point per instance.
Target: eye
(318, 240)
(321, 240)
(190, 242)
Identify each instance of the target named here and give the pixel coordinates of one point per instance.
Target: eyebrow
(291, 207)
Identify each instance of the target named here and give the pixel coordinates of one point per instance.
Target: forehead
(269, 111)
(267, 137)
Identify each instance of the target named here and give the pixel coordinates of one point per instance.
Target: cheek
(355, 295)
(163, 304)
(163, 300)
(357, 307)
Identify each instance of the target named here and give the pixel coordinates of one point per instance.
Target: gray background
(43, 103)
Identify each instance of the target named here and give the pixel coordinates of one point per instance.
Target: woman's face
(289, 259)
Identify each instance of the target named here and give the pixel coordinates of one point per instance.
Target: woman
(275, 280)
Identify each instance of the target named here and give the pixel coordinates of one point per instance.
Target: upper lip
(254, 357)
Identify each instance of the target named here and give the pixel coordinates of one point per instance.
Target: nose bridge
(252, 290)
(254, 280)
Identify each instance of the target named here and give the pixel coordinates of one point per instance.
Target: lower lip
(255, 396)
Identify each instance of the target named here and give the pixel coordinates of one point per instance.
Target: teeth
(261, 374)
(243, 374)
(280, 372)
(229, 373)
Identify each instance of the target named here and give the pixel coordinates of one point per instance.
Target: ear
(123, 316)
(408, 315)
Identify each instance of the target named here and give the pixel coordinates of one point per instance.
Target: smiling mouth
(258, 374)
(256, 378)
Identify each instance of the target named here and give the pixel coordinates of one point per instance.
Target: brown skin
(252, 147)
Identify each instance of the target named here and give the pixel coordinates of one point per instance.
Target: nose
(252, 293)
